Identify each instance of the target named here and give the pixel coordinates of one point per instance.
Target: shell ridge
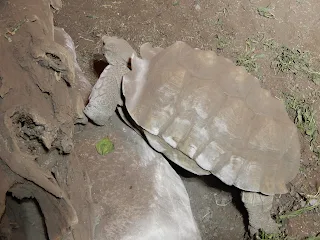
(254, 80)
(290, 163)
(198, 147)
(186, 80)
(139, 71)
(159, 59)
(217, 169)
(147, 51)
(234, 173)
(266, 179)
(176, 112)
(242, 175)
(212, 114)
(211, 138)
(208, 121)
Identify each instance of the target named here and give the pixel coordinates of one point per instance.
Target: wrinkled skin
(105, 95)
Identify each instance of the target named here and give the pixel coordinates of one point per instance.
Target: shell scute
(213, 157)
(265, 137)
(177, 130)
(250, 176)
(236, 82)
(195, 140)
(201, 64)
(261, 102)
(214, 115)
(232, 122)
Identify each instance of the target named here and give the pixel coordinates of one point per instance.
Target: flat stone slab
(135, 192)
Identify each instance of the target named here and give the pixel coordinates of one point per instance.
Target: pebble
(292, 192)
(313, 202)
(303, 203)
(197, 7)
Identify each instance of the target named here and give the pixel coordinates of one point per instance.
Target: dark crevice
(28, 133)
(99, 64)
(22, 219)
(54, 175)
(214, 182)
(55, 59)
(54, 63)
(66, 81)
(48, 96)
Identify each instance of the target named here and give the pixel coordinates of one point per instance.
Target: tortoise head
(117, 50)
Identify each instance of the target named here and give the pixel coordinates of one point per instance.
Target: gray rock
(135, 192)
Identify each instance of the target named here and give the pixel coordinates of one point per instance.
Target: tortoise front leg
(258, 207)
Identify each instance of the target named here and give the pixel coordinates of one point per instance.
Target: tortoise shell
(210, 116)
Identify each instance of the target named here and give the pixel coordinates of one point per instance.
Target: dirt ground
(270, 38)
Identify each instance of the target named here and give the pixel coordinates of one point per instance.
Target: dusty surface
(217, 208)
(135, 192)
(234, 29)
(39, 105)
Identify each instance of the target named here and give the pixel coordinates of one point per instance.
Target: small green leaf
(92, 16)
(310, 132)
(104, 146)
(260, 56)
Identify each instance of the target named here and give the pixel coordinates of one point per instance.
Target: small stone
(33, 18)
(197, 7)
(292, 192)
(313, 202)
(303, 203)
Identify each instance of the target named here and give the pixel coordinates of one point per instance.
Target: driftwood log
(41, 100)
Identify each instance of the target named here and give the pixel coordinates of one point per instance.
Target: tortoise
(205, 114)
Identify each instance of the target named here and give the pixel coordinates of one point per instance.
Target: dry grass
(294, 61)
(248, 59)
(265, 12)
(304, 118)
